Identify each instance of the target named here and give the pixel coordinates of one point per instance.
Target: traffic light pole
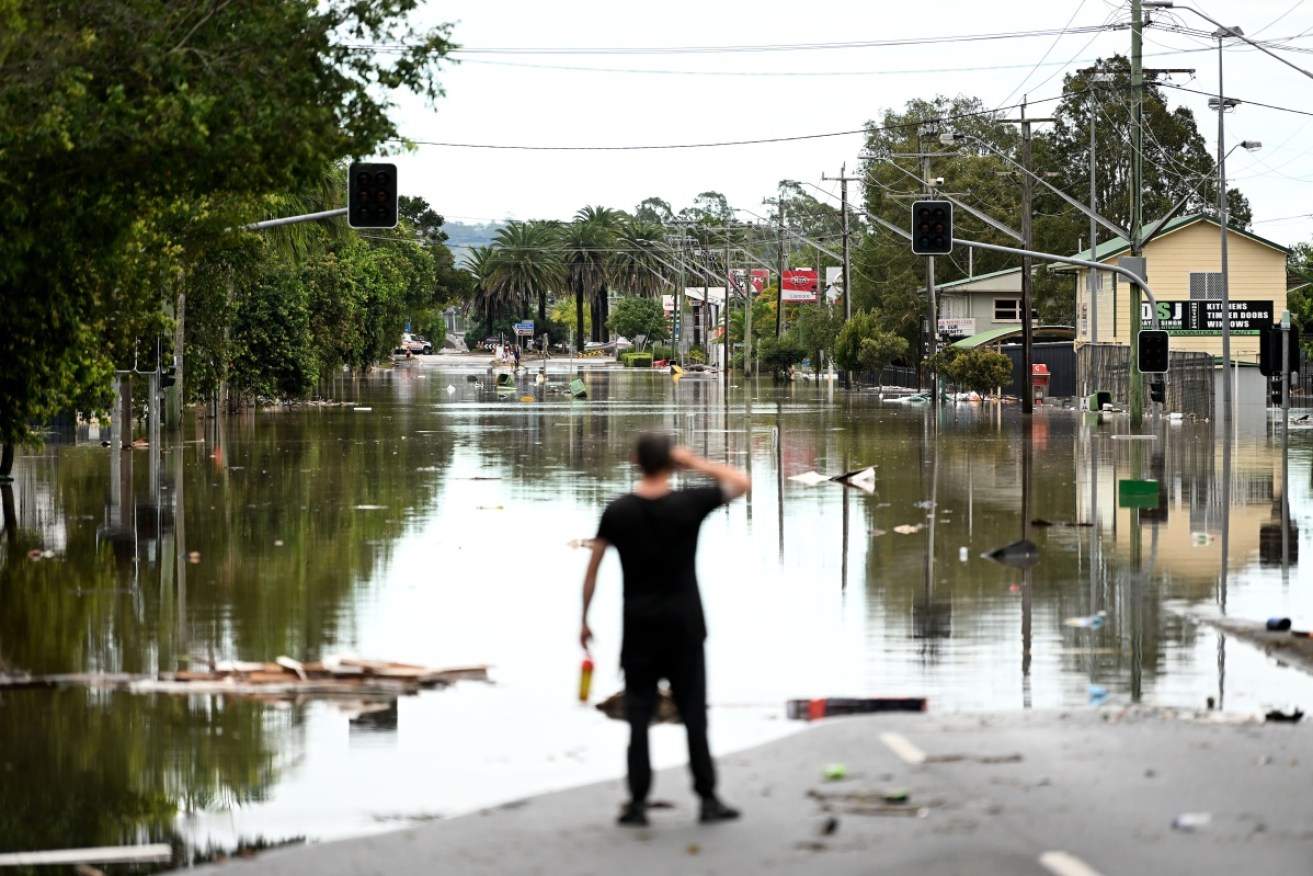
(292, 220)
(1067, 260)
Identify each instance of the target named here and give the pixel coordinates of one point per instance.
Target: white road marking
(899, 745)
(1063, 864)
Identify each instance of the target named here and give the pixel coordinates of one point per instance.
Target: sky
(680, 75)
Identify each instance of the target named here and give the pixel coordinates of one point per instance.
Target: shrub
(638, 360)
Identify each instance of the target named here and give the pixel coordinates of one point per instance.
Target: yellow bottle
(585, 679)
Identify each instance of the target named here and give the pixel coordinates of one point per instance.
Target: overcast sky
(713, 81)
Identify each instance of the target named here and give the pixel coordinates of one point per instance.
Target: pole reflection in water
(1027, 578)
(777, 445)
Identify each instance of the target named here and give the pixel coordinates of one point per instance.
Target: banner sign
(799, 285)
(1204, 317)
(957, 328)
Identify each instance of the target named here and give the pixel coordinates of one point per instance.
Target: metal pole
(1221, 213)
(932, 320)
(847, 284)
(779, 289)
(1092, 278)
(1027, 282)
(724, 321)
(1285, 441)
(1137, 217)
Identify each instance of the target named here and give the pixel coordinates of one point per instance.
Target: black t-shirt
(657, 540)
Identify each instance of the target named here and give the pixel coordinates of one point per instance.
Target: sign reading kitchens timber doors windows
(1197, 317)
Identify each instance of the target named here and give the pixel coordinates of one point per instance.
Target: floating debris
(285, 678)
(907, 528)
(1019, 554)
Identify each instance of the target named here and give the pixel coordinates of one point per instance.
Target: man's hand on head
(681, 457)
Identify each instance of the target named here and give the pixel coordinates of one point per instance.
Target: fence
(1188, 381)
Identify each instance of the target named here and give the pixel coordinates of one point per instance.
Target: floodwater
(427, 519)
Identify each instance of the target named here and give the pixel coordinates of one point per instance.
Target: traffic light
(168, 376)
(932, 227)
(1157, 391)
(1274, 385)
(372, 190)
(1152, 351)
(1269, 351)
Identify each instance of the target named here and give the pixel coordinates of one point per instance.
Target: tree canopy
(135, 132)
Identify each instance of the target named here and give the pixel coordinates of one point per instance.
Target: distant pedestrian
(655, 530)
(516, 352)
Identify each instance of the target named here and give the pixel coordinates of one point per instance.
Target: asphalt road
(1072, 794)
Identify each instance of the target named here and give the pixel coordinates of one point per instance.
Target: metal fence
(1188, 382)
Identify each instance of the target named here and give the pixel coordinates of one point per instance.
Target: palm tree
(527, 265)
(639, 266)
(481, 264)
(587, 245)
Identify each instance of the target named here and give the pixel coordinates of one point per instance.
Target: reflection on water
(430, 519)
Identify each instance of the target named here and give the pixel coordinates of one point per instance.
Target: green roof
(979, 277)
(986, 338)
(1118, 245)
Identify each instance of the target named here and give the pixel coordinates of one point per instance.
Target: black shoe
(713, 810)
(633, 815)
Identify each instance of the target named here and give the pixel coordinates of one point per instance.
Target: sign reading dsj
(1196, 317)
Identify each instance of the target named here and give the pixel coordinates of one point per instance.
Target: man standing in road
(655, 529)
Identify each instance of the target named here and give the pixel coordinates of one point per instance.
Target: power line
(754, 142)
(1247, 102)
(766, 47)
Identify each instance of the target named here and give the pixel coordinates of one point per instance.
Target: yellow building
(1184, 271)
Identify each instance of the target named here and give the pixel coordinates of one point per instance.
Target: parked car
(414, 344)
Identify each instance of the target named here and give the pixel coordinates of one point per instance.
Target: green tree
(979, 370)
(782, 353)
(526, 267)
(586, 252)
(640, 267)
(864, 344)
(816, 328)
(162, 127)
(634, 317)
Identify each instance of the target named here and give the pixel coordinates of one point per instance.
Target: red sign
(800, 285)
(759, 277)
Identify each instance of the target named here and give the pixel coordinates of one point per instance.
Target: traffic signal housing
(1157, 391)
(1269, 352)
(1274, 387)
(1152, 348)
(932, 227)
(372, 191)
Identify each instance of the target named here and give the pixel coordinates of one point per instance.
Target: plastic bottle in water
(585, 679)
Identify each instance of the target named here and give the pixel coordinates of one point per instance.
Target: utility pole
(1137, 211)
(847, 264)
(724, 316)
(779, 288)
(932, 307)
(1027, 281)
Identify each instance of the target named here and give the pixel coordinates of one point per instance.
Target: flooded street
(429, 519)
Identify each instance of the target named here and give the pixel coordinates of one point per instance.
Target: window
(1205, 286)
(1007, 310)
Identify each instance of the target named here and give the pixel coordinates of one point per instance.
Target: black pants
(685, 669)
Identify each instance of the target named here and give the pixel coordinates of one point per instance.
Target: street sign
(524, 328)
